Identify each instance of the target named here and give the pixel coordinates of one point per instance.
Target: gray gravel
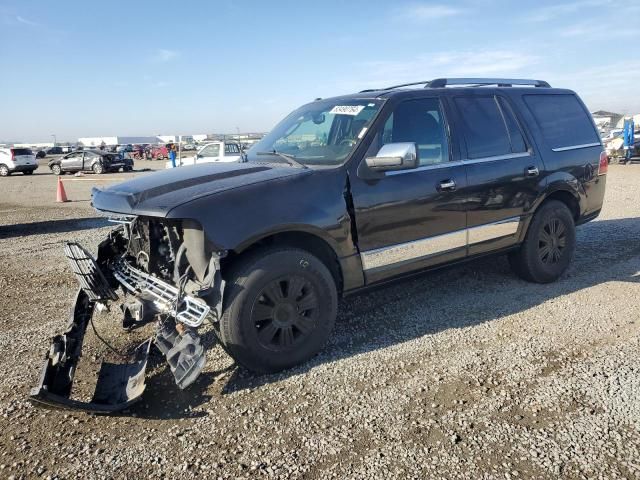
(463, 373)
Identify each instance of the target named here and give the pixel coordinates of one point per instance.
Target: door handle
(532, 172)
(447, 186)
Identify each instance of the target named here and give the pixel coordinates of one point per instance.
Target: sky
(76, 68)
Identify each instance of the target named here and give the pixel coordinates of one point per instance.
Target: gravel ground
(464, 373)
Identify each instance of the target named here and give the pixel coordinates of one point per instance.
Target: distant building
(111, 141)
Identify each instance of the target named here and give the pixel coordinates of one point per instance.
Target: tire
(160, 157)
(127, 169)
(97, 168)
(549, 245)
(56, 169)
(264, 328)
(4, 171)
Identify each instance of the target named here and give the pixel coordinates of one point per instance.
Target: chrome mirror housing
(394, 156)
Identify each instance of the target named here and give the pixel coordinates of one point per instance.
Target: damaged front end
(161, 271)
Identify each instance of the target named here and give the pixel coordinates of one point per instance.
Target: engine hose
(176, 266)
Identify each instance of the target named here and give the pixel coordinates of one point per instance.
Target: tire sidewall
(56, 169)
(541, 272)
(4, 171)
(237, 329)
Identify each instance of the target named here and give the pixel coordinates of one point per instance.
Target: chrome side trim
(435, 166)
(497, 157)
(576, 147)
(427, 247)
(491, 231)
(458, 163)
(414, 250)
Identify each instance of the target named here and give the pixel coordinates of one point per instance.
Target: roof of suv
(457, 84)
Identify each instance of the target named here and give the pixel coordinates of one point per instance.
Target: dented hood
(156, 194)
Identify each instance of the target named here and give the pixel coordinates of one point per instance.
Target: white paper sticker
(347, 109)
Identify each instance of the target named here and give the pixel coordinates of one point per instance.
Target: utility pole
(55, 141)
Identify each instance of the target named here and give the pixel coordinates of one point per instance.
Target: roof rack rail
(500, 82)
(395, 86)
(474, 82)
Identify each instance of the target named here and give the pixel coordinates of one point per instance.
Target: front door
(73, 161)
(210, 153)
(502, 169)
(411, 219)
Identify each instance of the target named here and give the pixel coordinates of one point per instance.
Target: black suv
(343, 194)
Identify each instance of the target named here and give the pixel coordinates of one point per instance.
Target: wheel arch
(302, 239)
(567, 197)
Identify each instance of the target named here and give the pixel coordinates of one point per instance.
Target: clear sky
(84, 67)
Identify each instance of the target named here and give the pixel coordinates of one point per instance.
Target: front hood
(156, 194)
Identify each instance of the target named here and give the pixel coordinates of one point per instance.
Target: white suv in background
(17, 160)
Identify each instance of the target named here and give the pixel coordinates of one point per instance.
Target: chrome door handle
(532, 172)
(447, 185)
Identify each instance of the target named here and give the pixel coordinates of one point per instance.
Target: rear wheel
(4, 171)
(56, 169)
(549, 245)
(97, 168)
(280, 307)
(160, 157)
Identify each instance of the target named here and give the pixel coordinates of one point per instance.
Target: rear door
(503, 170)
(231, 152)
(411, 219)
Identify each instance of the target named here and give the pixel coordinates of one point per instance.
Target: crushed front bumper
(119, 385)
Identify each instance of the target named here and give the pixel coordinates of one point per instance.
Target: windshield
(320, 133)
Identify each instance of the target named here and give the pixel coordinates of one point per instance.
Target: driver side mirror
(394, 156)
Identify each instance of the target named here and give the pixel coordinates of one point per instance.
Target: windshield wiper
(290, 159)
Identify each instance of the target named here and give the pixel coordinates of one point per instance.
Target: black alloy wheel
(552, 241)
(285, 313)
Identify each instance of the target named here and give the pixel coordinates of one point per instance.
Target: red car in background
(158, 152)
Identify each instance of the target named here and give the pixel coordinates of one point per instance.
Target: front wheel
(97, 168)
(56, 169)
(4, 171)
(279, 309)
(549, 245)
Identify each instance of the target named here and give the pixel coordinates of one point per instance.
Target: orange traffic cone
(61, 195)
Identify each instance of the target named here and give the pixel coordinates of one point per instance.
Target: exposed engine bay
(159, 270)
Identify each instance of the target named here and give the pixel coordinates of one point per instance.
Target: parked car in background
(54, 151)
(124, 148)
(96, 161)
(41, 154)
(158, 152)
(212, 152)
(17, 160)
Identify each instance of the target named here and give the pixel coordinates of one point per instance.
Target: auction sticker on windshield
(347, 109)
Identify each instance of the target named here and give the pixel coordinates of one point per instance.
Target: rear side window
(231, 148)
(21, 151)
(563, 120)
(490, 129)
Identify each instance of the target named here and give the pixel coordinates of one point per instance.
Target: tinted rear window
(21, 151)
(485, 131)
(563, 120)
